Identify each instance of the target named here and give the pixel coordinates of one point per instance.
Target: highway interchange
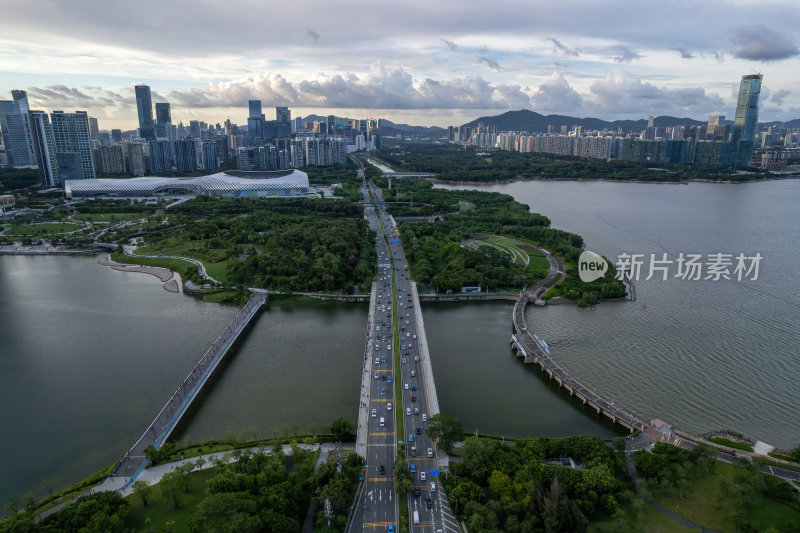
(377, 507)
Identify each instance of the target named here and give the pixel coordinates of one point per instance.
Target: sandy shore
(170, 281)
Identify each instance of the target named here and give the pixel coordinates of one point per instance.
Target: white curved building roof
(235, 183)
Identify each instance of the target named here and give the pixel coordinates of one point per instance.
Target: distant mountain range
(526, 120)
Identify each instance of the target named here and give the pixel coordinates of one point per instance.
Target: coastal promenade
(159, 430)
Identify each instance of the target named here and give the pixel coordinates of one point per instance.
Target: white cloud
(556, 95)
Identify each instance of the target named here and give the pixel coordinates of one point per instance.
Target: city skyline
(430, 65)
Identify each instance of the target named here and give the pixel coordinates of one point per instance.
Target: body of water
(705, 354)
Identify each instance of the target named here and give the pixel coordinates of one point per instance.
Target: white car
(424, 417)
(376, 375)
(389, 406)
(422, 475)
(374, 413)
(408, 411)
(405, 387)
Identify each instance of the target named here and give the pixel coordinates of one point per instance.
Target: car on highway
(413, 399)
(383, 359)
(433, 486)
(416, 410)
(421, 475)
(405, 387)
(389, 379)
(376, 375)
(389, 406)
(383, 391)
(416, 358)
(428, 502)
(404, 359)
(413, 387)
(382, 469)
(374, 413)
(410, 437)
(419, 431)
(408, 411)
(430, 452)
(424, 417)
(383, 377)
(416, 492)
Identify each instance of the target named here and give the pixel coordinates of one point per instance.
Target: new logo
(591, 266)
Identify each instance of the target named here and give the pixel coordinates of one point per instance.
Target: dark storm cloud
(314, 35)
(760, 42)
(685, 54)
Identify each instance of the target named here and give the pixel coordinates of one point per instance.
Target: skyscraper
(746, 119)
(160, 156)
(144, 105)
(185, 157)
(15, 130)
(44, 148)
(163, 120)
(94, 130)
(73, 145)
(255, 109)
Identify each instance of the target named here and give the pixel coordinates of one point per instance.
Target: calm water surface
(702, 354)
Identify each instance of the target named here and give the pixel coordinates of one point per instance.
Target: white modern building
(230, 184)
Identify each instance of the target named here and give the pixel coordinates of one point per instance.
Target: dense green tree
(445, 430)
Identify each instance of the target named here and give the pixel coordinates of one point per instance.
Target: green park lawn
(518, 254)
(708, 504)
(45, 228)
(160, 510)
(650, 520)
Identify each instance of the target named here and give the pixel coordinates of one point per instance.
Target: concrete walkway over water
(156, 434)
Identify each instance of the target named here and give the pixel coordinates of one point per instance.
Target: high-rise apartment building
(746, 119)
(144, 106)
(73, 145)
(94, 130)
(185, 156)
(44, 148)
(160, 156)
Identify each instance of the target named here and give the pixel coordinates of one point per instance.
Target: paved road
(379, 501)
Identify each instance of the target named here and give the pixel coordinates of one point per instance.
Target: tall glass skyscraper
(144, 106)
(744, 123)
(73, 145)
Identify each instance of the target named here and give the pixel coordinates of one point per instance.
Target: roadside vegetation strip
(45, 228)
(731, 444)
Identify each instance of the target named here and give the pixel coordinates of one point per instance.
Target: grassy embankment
(42, 229)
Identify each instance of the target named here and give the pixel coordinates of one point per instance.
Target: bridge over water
(162, 426)
(534, 350)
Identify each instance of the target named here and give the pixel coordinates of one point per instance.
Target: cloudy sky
(418, 62)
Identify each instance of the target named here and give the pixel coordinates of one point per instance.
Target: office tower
(163, 120)
(44, 148)
(746, 119)
(116, 136)
(714, 121)
(255, 109)
(228, 126)
(15, 130)
(185, 158)
(163, 113)
(94, 131)
(283, 115)
(194, 129)
(144, 106)
(210, 159)
(160, 156)
(73, 145)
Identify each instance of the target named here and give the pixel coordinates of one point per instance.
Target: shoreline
(650, 182)
(170, 280)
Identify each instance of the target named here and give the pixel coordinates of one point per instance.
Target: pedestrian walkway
(131, 465)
